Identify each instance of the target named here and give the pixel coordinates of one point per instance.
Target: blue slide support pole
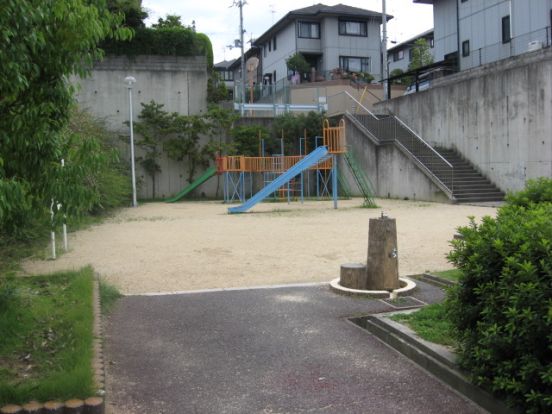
(334, 180)
(242, 192)
(225, 187)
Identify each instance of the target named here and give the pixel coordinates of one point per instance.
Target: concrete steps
(469, 185)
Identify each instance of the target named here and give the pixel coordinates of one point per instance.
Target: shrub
(246, 139)
(502, 307)
(536, 191)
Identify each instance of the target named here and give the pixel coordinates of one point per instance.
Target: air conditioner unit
(534, 45)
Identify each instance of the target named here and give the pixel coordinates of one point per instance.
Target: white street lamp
(129, 80)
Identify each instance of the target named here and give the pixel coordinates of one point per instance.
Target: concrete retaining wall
(179, 83)
(498, 116)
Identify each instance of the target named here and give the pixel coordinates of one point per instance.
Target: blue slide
(317, 155)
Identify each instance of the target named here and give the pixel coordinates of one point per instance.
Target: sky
(219, 20)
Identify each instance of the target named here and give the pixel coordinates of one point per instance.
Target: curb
(434, 280)
(434, 358)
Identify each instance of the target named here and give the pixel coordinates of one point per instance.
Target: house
(400, 55)
(226, 75)
(490, 30)
(252, 75)
(329, 37)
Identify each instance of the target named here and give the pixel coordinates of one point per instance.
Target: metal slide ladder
(361, 180)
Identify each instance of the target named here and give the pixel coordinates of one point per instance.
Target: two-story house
(329, 37)
(400, 55)
(484, 31)
(226, 75)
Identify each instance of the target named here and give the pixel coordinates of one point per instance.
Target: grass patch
(452, 274)
(109, 294)
(46, 337)
(430, 323)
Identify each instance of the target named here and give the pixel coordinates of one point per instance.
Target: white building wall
(445, 27)
(480, 23)
(275, 60)
(335, 45)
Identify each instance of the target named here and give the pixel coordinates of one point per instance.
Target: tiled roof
(320, 10)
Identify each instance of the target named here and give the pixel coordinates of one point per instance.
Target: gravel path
(161, 247)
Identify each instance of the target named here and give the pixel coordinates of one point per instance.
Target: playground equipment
(280, 172)
(288, 175)
(196, 183)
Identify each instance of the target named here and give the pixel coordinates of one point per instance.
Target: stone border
(410, 285)
(435, 280)
(92, 405)
(434, 358)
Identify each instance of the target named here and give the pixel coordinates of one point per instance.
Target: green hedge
(167, 41)
(502, 307)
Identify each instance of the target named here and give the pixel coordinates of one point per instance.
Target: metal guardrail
(269, 109)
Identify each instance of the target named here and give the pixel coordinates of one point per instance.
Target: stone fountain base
(406, 286)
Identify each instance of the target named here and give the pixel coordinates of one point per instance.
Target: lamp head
(129, 80)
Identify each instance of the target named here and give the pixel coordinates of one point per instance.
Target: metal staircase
(361, 180)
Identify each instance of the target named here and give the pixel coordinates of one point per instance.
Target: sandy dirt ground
(161, 247)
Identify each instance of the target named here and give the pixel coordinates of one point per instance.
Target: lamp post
(130, 80)
(385, 66)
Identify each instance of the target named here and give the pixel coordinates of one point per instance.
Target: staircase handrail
(366, 131)
(347, 94)
(423, 141)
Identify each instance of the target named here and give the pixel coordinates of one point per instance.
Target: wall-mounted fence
(516, 45)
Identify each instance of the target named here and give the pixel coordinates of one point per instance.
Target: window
(410, 55)
(309, 30)
(274, 43)
(398, 55)
(228, 75)
(432, 42)
(506, 35)
(264, 50)
(355, 64)
(352, 28)
(465, 48)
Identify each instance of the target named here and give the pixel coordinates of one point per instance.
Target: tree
(220, 122)
(170, 22)
(421, 54)
(183, 142)
(134, 14)
(152, 128)
(60, 39)
(399, 81)
(298, 63)
(246, 139)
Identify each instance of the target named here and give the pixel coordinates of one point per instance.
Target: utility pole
(385, 74)
(240, 4)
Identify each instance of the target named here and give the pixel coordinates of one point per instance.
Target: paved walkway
(282, 350)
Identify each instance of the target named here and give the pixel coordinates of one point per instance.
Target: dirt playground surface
(160, 247)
